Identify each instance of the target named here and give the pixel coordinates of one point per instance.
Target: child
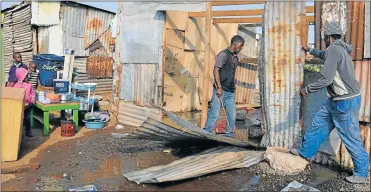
(21, 74)
(16, 64)
(33, 75)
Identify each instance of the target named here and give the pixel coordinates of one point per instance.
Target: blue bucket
(46, 77)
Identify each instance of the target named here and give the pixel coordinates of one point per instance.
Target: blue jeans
(213, 112)
(344, 116)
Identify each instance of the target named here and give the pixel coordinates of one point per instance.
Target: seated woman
(23, 82)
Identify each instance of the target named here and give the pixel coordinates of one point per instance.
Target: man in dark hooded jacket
(341, 109)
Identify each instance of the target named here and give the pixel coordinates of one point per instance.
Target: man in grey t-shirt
(224, 87)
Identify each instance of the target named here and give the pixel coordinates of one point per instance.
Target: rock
(279, 159)
(119, 126)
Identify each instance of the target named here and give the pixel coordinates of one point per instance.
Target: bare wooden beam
(206, 71)
(310, 19)
(223, 3)
(228, 13)
(251, 12)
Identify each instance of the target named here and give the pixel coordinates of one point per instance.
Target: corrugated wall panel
(355, 32)
(134, 115)
(104, 85)
(367, 43)
(246, 75)
(73, 25)
(363, 76)
(282, 69)
(96, 23)
(81, 64)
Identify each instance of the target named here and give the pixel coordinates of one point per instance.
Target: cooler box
(61, 85)
(48, 59)
(12, 106)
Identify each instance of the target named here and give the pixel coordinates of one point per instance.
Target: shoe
(29, 134)
(357, 180)
(294, 151)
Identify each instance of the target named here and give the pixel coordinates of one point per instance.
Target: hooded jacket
(21, 74)
(337, 72)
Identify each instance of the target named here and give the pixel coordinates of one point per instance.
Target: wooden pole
(206, 87)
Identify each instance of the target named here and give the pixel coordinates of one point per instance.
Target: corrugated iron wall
(363, 76)
(367, 44)
(73, 24)
(96, 23)
(17, 35)
(246, 75)
(355, 32)
(100, 66)
(282, 72)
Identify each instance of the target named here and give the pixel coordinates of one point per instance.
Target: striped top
(34, 77)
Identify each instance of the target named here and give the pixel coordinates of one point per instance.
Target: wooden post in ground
(206, 87)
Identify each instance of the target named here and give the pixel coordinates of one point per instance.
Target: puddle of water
(322, 174)
(254, 180)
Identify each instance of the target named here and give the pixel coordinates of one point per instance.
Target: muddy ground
(99, 159)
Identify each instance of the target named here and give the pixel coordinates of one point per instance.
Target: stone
(281, 160)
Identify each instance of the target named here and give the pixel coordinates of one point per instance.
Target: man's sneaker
(356, 179)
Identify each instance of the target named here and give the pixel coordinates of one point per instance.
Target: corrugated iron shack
(36, 27)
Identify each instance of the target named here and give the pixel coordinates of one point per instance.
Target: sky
(112, 6)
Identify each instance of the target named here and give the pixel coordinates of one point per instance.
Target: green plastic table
(46, 108)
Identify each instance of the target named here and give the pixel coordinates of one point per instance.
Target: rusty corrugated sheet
(281, 72)
(246, 75)
(355, 32)
(73, 24)
(96, 23)
(367, 44)
(81, 64)
(363, 76)
(103, 45)
(100, 66)
(134, 115)
(212, 160)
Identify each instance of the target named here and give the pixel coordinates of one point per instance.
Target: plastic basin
(94, 124)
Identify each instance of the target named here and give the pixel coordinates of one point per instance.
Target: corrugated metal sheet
(141, 33)
(139, 84)
(45, 13)
(282, 72)
(104, 85)
(73, 24)
(81, 63)
(363, 76)
(97, 22)
(100, 67)
(367, 44)
(209, 161)
(188, 125)
(355, 32)
(50, 40)
(246, 75)
(134, 115)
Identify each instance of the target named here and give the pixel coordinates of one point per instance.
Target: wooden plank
(310, 19)
(174, 38)
(207, 64)
(176, 20)
(223, 3)
(250, 12)
(18, 169)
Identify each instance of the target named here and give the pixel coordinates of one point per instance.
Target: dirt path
(99, 159)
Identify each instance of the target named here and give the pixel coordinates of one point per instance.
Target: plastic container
(97, 124)
(46, 77)
(67, 128)
(48, 59)
(61, 85)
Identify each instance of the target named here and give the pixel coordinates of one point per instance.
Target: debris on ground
(84, 188)
(241, 115)
(296, 186)
(210, 161)
(119, 126)
(18, 169)
(280, 159)
(7, 177)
